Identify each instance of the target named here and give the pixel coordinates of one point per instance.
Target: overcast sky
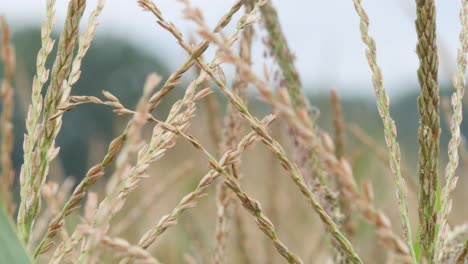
(324, 35)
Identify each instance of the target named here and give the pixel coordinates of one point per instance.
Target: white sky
(323, 34)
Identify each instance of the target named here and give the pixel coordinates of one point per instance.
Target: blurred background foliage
(116, 65)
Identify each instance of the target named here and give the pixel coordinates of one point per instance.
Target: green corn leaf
(11, 249)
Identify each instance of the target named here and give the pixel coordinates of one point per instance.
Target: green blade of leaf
(11, 249)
